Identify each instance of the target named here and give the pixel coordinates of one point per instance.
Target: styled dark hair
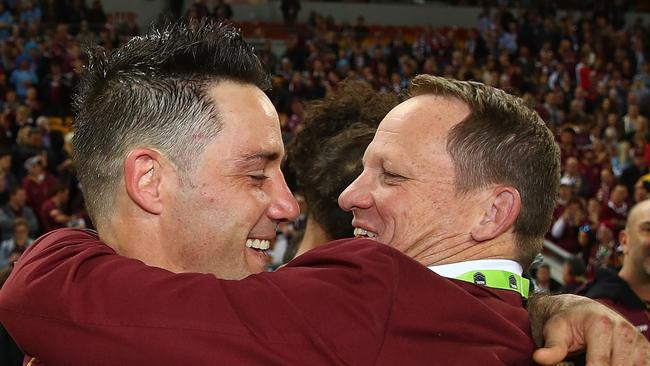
(152, 92)
(502, 141)
(326, 154)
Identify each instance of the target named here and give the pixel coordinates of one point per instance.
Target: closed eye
(259, 177)
(392, 178)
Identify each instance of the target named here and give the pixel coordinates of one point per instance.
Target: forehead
(641, 212)
(429, 114)
(250, 122)
(419, 126)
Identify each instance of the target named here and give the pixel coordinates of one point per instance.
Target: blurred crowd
(586, 73)
(40, 60)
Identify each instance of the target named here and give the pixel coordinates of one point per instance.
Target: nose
(357, 195)
(284, 206)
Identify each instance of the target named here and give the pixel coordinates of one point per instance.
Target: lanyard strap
(494, 278)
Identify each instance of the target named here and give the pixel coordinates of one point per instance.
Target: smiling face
(406, 194)
(236, 194)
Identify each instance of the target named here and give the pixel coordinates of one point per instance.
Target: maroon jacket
(72, 301)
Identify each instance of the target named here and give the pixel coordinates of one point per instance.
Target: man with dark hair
(178, 151)
(173, 102)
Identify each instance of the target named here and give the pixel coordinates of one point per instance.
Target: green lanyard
(495, 278)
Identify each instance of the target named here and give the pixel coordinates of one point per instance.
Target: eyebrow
(263, 156)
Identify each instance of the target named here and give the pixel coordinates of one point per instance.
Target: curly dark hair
(326, 154)
(152, 92)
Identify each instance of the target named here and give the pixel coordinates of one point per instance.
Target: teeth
(258, 244)
(360, 233)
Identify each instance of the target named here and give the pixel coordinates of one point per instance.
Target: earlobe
(500, 215)
(143, 178)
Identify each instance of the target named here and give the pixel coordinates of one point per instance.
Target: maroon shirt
(72, 301)
(38, 192)
(45, 214)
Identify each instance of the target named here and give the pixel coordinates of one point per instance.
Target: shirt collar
(454, 270)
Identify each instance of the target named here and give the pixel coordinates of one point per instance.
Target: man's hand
(568, 323)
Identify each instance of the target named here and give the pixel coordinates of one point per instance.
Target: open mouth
(363, 233)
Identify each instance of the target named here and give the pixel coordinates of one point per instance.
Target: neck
(637, 280)
(465, 250)
(145, 244)
(314, 237)
(14, 205)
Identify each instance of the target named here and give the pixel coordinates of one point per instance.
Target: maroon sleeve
(71, 300)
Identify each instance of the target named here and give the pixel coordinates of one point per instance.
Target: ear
(143, 178)
(501, 210)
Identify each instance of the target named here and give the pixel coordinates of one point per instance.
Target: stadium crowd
(586, 73)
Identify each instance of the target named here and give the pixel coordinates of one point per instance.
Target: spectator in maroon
(591, 169)
(615, 210)
(37, 183)
(565, 229)
(52, 212)
(573, 175)
(607, 183)
(583, 72)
